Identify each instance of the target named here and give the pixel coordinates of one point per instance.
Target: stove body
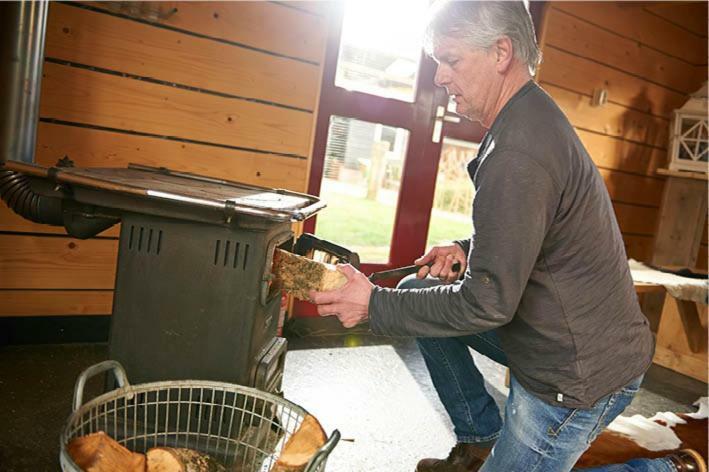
(193, 301)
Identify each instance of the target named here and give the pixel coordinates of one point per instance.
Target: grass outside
(365, 226)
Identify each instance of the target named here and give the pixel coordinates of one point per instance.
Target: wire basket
(243, 428)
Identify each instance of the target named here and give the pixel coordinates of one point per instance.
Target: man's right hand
(443, 258)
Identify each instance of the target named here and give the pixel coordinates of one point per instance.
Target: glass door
(372, 120)
(453, 200)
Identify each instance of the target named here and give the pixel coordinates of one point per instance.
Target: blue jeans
(535, 436)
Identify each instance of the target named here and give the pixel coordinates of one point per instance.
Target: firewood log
(98, 452)
(298, 275)
(301, 446)
(168, 459)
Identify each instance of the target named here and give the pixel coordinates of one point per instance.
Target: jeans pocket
(616, 403)
(556, 428)
(605, 416)
(633, 387)
(629, 391)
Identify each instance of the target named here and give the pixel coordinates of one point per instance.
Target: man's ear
(504, 54)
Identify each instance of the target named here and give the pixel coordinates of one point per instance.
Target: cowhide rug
(634, 437)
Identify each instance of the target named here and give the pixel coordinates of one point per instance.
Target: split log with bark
(299, 275)
(169, 459)
(301, 446)
(98, 452)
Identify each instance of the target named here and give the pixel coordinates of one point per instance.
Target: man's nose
(442, 78)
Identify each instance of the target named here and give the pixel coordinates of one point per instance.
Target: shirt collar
(488, 142)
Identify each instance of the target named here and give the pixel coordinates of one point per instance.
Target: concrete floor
(376, 391)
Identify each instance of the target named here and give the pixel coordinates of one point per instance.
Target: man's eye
(453, 62)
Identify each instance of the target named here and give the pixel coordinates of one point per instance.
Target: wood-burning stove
(193, 296)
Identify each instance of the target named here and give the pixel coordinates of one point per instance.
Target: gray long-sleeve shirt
(546, 265)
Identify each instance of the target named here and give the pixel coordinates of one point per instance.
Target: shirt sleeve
(464, 244)
(514, 206)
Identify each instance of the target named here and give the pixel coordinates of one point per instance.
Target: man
(545, 288)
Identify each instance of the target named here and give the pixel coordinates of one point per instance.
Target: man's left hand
(350, 303)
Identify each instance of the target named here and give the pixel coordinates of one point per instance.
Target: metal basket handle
(118, 371)
(322, 454)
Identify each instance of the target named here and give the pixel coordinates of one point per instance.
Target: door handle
(441, 116)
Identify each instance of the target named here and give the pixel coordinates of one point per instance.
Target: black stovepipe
(16, 192)
(80, 221)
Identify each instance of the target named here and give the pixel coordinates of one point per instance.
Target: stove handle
(307, 243)
(307, 212)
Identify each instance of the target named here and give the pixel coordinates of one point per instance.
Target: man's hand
(443, 258)
(350, 303)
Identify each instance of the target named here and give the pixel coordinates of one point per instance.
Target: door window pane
(380, 48)
(360, 185)
(453, 201)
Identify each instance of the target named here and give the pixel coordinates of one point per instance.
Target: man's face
(469, 75)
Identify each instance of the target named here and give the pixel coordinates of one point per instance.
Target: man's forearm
(442, 311)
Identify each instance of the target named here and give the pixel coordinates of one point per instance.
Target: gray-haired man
(546, 287)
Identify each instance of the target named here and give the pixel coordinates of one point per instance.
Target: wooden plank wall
(648, 58)
(227, 89)
(702, 256)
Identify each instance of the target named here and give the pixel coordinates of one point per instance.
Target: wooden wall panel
(610, 152)
(263, 25)
(33, 262)
(88, 37)
(587, 40)
(12, 222)
(634, 189)
(641, 25)
(611, 119)
(702, 257)
(224, 89)
(316, 8)
(638, 247)
(636, 220)
(55, 302)
(691, 16)
(579, 74)
(90, 147)
(84, 96)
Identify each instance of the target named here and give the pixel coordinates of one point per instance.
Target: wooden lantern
(689, 141)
